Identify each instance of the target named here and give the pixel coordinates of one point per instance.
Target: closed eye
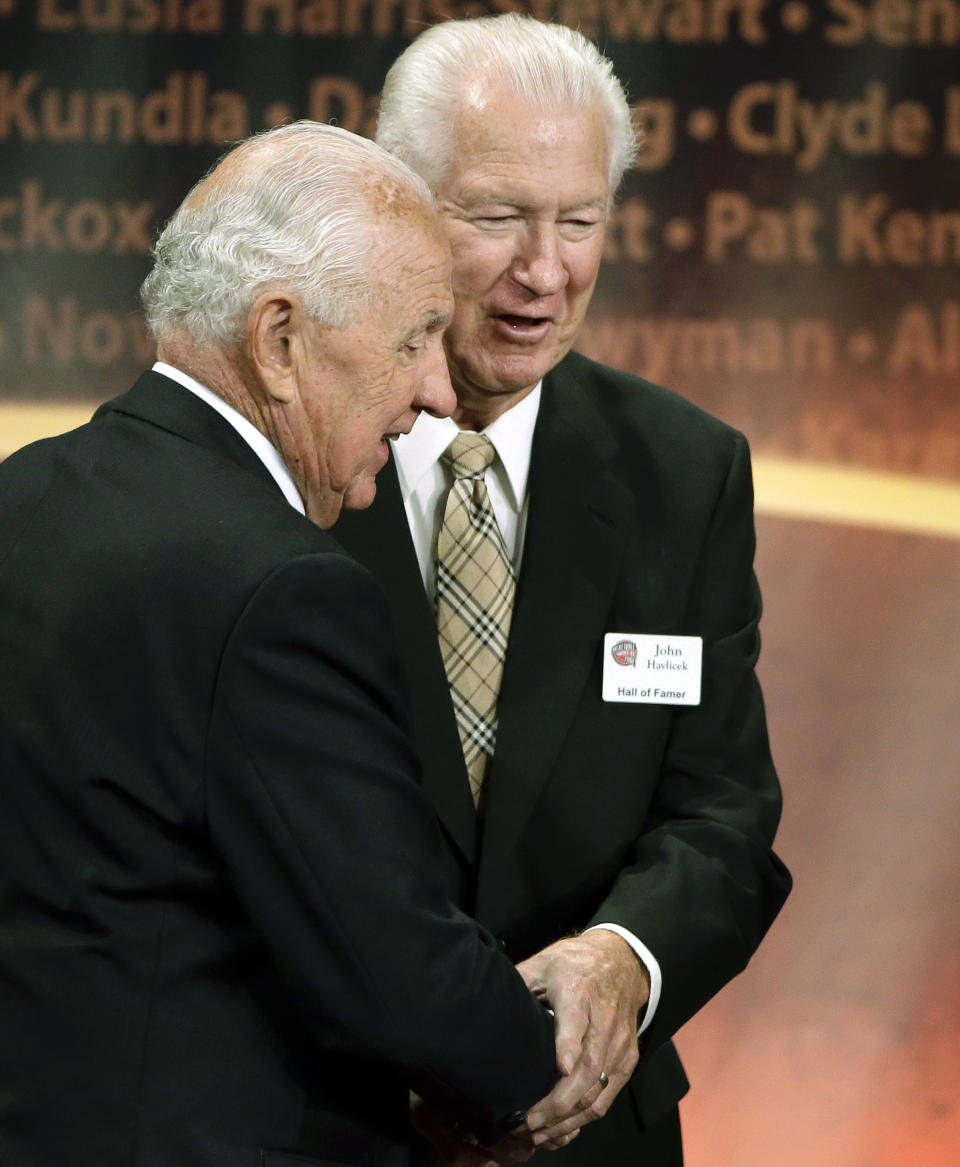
(433, 324)
(411, 350)
(495, 220)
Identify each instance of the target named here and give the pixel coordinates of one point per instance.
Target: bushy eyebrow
(601, 205)
(597, 204)
(432, 322)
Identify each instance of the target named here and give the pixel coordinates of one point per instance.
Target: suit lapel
(162, 402)
(567, 578)
(379, 538)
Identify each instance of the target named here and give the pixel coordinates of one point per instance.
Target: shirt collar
(511, 434)
(261, 446)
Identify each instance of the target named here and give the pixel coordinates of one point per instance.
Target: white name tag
(652, 670)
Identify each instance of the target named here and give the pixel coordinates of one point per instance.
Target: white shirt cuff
(649, 962)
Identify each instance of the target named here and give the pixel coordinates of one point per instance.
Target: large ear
(275, 342)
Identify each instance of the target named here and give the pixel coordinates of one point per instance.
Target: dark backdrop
(786, 253)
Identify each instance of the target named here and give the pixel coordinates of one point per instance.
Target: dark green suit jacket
(224, 941)
(658, 818)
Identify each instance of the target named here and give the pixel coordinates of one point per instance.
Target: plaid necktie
(475, 588)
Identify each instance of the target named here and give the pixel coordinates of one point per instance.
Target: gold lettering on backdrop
(841, 431)
(292, 17)
(410, 13)
(132, 16)
(897, 23)
(893, 23)
(59, 330)
(183, 112)
(339, 100)
(655, 123)
(870, 231)
(951, 121)
(735, 225)
(665, 348)
(32, 221)
(684, 22)
(767, 118)
(320, 19)
(628, 232)
(926, 342)
(113, 116)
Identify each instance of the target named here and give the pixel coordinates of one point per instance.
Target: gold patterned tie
(475, 586)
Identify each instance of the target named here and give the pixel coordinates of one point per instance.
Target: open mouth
(520, 322)
(522, 330)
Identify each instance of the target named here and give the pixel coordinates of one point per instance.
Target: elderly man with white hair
(570, 566)
(224, 935)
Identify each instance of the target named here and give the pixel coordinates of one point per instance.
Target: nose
(434, 392)
(538, 263)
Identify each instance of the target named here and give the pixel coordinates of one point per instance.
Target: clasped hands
(596, 986)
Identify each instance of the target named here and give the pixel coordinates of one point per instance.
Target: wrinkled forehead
(508, 144)
(399, 215)
(487, 116)
(405, 233)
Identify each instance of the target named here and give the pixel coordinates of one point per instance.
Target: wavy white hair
(297, 211)
(547, 65)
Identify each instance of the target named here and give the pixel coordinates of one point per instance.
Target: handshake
(597, 988)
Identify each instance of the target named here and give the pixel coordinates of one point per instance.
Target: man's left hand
(596, 986)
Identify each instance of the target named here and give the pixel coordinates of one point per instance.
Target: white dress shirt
(425, 481)
(424, 485)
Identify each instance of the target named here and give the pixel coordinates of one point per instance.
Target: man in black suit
(224, 938)
(620, 845)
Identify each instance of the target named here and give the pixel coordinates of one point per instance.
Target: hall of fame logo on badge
(624, 652)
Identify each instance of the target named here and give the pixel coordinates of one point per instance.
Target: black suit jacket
(658, 818)
(224, 940)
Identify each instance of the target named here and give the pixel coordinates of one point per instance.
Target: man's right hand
(450, 1144)
(596, 986)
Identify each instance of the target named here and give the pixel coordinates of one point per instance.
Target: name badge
(652, 670)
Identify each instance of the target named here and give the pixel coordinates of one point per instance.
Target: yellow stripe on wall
(865, 498)
(20, 424)
(799, 490)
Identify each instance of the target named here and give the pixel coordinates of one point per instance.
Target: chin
(516, 376)
(360, 494)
